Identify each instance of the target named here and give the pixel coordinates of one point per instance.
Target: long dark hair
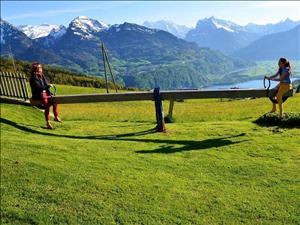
(287, 64)
(34, 68)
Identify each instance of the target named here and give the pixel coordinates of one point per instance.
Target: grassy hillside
(57, 75)
(103, 165)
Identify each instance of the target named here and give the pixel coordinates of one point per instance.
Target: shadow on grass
(168, 145)
(27, 129)
(188, 145)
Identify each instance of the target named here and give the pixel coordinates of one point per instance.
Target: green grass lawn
(104, 165)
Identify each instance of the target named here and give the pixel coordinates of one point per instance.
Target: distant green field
(104, 165)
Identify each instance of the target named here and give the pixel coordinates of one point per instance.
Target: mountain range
(229, 37)
(214, 33)
(207, 33)
(38, 31)
(220, 35)
(141, 57)
(277, 45)
(145, 57)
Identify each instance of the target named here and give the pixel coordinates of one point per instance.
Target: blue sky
(180, 12)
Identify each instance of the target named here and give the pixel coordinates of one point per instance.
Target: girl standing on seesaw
(285, 84)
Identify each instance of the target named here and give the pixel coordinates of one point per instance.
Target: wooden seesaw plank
(165, 95)
(110, 97)
(220, 93)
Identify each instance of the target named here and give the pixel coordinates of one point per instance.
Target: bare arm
(275, 75)
(272, 76)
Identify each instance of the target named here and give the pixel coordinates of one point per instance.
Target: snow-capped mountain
(214, 23)
(85, 27)
(270, 28)
(81, 25)
(58, 33)
(38, 31)
(218, 34)
(175, 29)
(53, 37)
(132, 27)
(12, 38)
(228, 37)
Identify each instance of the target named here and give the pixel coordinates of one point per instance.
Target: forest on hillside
(56, 75)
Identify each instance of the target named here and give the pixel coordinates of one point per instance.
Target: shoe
(57, 119)
(49, 126)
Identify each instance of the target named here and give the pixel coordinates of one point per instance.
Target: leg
(283, 88)
(274, 104)
(273, 108)
(47, 109)
(55, 112)
(279, 100)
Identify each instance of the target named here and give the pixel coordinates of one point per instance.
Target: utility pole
(106, 61)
